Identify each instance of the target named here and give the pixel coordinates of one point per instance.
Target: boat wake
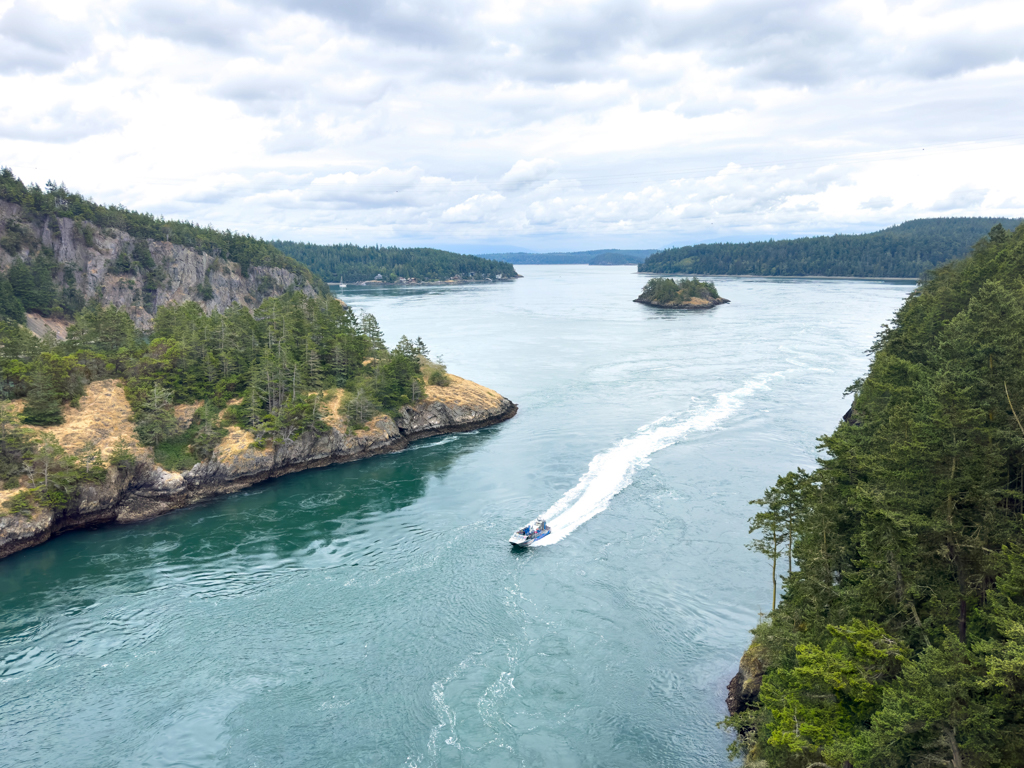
(612, 471)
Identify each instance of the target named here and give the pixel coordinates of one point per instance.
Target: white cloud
(449, 122)
(475, 209)
(879, 203)
(963, 198)
(34, 41)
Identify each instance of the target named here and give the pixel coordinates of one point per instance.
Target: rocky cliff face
(744, 688)
(185, 270)
(149, 490)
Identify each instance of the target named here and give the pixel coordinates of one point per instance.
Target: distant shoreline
(781, 277)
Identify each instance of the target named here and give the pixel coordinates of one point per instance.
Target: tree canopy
(906, 250)
(897, 640)
(354, 263)
(55, 201)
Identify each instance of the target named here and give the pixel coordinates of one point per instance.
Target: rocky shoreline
(148, 490)
(694, 303)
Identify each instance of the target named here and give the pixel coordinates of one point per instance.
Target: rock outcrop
(696, 302)
(746, 685)
(186, 271)
(149, 490)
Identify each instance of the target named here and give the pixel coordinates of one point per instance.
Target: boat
(530, 534)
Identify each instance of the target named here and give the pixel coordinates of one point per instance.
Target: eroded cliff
(87, 255)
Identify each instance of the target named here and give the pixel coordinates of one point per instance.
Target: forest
(906, 250)
(898, 637)
(354, 263)
(40, 284)
(269, 372)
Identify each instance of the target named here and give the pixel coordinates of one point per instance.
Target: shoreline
(148, 491)
(416, 283)
(785, 277)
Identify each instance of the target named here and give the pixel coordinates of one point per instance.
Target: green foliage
(121, 456)
(155, 423)
(52, 380)
(907, 250)
(358, 406)
(355, 263)
(666, 291)
(44, 207)
(54, 476)
(11, 307)
(910, 527)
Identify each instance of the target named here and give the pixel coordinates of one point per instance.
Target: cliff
(744, 688)
(85, 254)
(148, 490)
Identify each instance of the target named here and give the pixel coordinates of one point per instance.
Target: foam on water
(612, 471)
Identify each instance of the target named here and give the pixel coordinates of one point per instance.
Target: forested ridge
(37, 282)
(898, 639)
(269, 372)
(354, 263)
(906, 250)
(602, 257)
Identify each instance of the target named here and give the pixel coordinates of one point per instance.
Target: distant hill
(596, 258)
(906, 250)
(354, 263)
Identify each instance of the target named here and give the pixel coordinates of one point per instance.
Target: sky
(485, 127)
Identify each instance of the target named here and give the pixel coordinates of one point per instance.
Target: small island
(681, 294)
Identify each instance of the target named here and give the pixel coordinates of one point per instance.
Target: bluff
(146, 490)
(58, 250)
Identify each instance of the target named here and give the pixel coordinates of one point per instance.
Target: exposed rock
(186, 270)
(746, 685)
(149, 490)
(693, 303)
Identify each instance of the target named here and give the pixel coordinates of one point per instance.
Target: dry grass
(103, 417)
(184, 413)
(465, 393)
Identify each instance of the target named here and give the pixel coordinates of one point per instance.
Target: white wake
(613, 470)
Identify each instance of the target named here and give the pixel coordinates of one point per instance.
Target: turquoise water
(373, 614)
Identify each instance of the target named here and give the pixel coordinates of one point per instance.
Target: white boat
(530, 534)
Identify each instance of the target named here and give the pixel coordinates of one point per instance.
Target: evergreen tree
(156, 422)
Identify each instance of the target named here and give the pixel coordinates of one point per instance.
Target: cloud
(218, 25)
(494, 120)
(474, 209)
(961, 198)
(32, 40)
(61, 124)
(527, 172)
(877, 203)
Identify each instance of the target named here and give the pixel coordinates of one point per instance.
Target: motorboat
(530, 534)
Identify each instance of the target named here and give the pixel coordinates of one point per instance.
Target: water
(373, 614)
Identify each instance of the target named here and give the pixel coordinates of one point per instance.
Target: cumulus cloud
(527, 172)
(450, 119)
(879, 203)
(474, 209)
(61, 124)
(961, 198)
(32, 40)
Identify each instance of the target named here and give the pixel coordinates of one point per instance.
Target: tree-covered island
(680, 294)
